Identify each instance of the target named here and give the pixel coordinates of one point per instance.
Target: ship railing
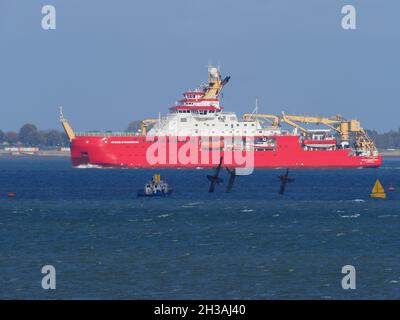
(106, 134)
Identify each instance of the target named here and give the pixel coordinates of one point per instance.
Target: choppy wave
(351, 216)
(388, 216)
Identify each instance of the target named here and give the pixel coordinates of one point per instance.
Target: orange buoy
(11, 194)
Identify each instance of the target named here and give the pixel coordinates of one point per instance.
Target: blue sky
(109, 62)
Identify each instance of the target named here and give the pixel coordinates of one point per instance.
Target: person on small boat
(148, 189)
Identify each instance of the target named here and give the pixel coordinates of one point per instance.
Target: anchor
(232, 176)
(284, 178)
(214, 179)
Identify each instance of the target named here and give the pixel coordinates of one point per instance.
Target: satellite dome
(214, 71)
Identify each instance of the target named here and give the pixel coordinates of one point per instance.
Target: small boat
(155, 188)
(378, 191)
(392, 188)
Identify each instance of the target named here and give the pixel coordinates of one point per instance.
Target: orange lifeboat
(217, 144)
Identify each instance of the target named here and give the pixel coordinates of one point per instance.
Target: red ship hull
(133, 152)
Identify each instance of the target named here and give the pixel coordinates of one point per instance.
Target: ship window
(183, 120)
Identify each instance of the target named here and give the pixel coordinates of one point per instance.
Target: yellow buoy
(378, 191)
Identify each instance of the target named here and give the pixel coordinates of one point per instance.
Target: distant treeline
(29, 135)
(388, 140)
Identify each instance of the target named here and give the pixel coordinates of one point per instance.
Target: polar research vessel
(197, 132)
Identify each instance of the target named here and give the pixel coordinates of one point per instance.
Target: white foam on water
(388, 215)
(247, 210)
(163, 215)
(88, 166)
(351, 216)
(358, 200)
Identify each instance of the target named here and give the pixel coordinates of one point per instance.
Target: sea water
(105, 243)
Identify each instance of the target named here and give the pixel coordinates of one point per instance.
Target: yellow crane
(273, 119)
(67, 128)
(330, 122)
(144, 124)
(342, 126)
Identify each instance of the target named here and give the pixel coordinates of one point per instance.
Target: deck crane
(260, 117)
(67, 128)
(329, 122)
(273, 119)
(144, 124)
(342, 126)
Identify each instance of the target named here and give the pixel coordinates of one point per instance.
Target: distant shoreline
(41, 153)
(390, 154)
